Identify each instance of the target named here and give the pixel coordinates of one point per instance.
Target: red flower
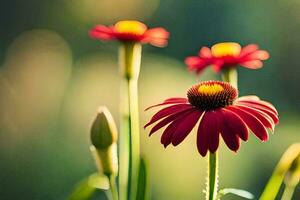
(131, 31)
(220, 112)
(226, 55)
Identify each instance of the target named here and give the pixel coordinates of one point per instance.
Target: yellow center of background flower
(210, 89)
(133, 27)
(226, 49)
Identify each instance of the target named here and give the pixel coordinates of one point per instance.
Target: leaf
(238, 192)
(283, 168)
(87, 188)
(143, 185)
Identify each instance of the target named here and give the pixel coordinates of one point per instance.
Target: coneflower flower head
(215, 107)
(131, 31)
(227, 55)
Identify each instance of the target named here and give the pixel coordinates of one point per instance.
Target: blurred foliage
(53, 78)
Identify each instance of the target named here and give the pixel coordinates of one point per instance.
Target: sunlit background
(53, 77)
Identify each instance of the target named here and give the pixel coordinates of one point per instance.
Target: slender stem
(212, 185)
(288, 192)
(134, 138)
(230, 75)
(130, 56)
(113, 187)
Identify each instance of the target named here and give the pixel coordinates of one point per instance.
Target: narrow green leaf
(238, 192)
(87, 187)
(283, 169)
(143, 185)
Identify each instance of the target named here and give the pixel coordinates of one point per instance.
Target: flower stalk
(212, 185)
(129, 58)
(229, 75)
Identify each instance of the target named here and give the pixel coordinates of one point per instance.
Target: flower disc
(211, 95)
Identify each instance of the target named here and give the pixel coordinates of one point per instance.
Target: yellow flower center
(133, 27)
(210, 89)
(226, 49)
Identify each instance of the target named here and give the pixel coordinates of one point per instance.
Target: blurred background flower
(53, 77)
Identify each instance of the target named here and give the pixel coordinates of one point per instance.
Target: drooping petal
(235, 123)
(267, 110)
(168, 133)
(263, 118)
(229, 130)
(252, 122)
(170, 101)
(259, 102)
(203, 136)
(101, 32)
(186, 126)
(209, 132)
(157, 37)
(167, 111)
(167, 120)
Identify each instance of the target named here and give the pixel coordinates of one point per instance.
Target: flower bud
(104, 142)
(104, 130)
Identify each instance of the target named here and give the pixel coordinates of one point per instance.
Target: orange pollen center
(131, 27)
(226, 49)
(211, 95)
(210, 89)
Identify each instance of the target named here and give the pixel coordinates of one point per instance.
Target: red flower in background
(226, 55)
(220, 112)
(131, 31)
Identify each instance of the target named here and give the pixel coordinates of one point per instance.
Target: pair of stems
(130, 59)
(228, 75)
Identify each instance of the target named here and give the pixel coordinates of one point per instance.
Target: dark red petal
(228, 130)
(261, 103)
(101, 32)
(252, 122)
(157, 36)
(167, 120)
(170, 101)
(167, 111)
(262, 108)
(186, 126)
(203, 136)
(166, 137)
(205, 52)
(211, 130)
(235, 123)
(263, 117)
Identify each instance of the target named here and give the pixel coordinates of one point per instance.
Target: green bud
(104, 130)
(106, 160)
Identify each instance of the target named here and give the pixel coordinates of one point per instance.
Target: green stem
(212, 185)
(288, 192)
(113, 187)
(230, 75)
(130, 56)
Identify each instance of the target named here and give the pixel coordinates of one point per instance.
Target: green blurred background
(53, 77)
